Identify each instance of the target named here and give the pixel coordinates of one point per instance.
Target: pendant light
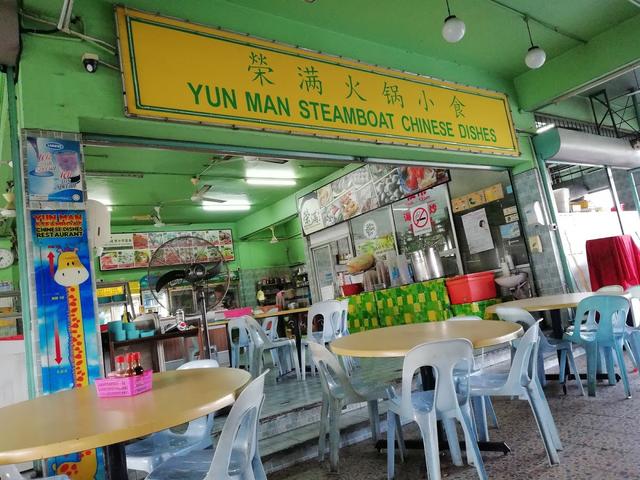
(453, 28)
(536, 56)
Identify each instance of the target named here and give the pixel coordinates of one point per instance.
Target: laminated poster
(134, 250)
(477, 231)
(54, 170)
(65, 309)
(510, 230)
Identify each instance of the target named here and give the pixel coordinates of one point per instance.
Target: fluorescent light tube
(225, 208)
(546, 127)
(274, 182)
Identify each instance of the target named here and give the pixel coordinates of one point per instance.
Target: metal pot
(426, 264)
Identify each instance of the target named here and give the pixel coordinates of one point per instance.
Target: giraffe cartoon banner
(67, 329)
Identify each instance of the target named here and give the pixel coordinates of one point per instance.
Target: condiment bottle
(137, 368)
(121, 369)
(130, 371)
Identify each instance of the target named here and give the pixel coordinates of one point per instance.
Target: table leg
(298, 335)
(116, 460)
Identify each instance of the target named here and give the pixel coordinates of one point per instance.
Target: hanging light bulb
(535, 56)
(453, 28)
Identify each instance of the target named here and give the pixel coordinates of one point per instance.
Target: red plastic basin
(473, 287)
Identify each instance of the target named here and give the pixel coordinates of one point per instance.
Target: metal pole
(546, 182)
(634, 190)
(23, 268)
(616, 200)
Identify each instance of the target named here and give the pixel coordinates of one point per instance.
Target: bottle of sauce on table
(121, 369)
(130, 368)
(137, 368)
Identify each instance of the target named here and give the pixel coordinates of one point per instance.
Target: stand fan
(189, 261)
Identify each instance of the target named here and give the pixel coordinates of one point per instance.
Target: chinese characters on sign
(259, 68)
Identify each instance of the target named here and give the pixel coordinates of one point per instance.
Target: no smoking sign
(420, 219)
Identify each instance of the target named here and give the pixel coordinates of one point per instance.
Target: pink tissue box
(124, 386)
(238, 312)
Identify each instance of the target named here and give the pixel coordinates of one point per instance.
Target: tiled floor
(601, 439)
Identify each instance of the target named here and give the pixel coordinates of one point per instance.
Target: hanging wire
(448, 8)
(526, 21)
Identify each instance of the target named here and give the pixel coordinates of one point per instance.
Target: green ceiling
(496, 38)
(166, 182)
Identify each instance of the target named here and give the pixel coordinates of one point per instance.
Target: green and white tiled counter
(476, 308)
(414, 303)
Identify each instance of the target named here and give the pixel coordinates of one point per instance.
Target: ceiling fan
(155, 217)
(200, 194)
(274, 239)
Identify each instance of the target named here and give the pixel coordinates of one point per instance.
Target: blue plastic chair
(426, 407)
(611, 312)
(236, 455)
(241, 342)
(545, 345)
(522, 382)
(148, 453)
(488, 404)
(337, 393)
(285, 348)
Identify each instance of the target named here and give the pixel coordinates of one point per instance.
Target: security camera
(90, 62)
(635, 143)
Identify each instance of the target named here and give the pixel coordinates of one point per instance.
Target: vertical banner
(66, 316)
(70, 354)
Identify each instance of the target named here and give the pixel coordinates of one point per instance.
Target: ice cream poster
(53, 170)
(68, 336)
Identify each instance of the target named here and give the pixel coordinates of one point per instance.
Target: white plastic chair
(331, 313)
(488, 404)
(522, 381)
(10, 472)
(342, 330)
(242, 342)
(261, 343)
(545, 345)
(611, 289)
(148, 453)
(236, 455)
(337, 393)
(270, 327)
(426, 407)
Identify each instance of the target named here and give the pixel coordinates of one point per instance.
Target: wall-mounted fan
(195, 262)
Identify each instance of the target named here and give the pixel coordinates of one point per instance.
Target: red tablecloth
(613, 261)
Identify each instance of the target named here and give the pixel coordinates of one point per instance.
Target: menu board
(365, 189)
(134, 250)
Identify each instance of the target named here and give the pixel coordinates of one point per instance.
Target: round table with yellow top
(398, 340)
(77, 420)
(544, 303)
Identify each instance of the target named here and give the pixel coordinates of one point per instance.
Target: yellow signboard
(175, 70)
